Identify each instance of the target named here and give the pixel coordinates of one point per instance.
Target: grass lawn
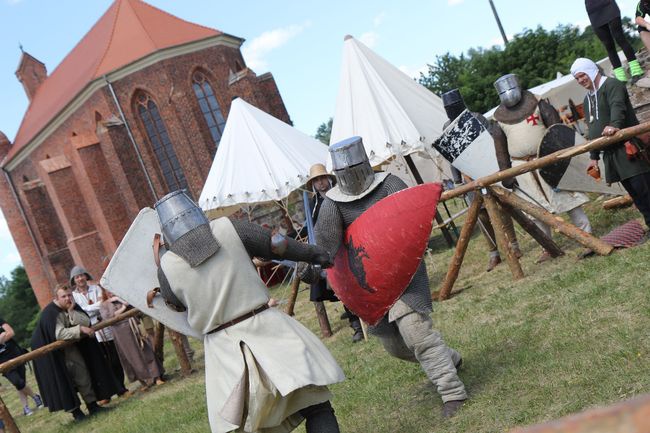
(572, 335)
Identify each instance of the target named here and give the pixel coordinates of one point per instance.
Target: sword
(529, 196)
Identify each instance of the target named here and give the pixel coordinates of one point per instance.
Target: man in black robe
(76, 368)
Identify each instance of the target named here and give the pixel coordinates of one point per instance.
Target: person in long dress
(135, 351)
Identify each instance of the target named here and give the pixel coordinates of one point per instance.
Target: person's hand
(87, 331)
(608, 131)
(592, 163)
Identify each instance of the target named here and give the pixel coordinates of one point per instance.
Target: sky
(299, 41)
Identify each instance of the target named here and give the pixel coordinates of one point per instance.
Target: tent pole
(416, 174)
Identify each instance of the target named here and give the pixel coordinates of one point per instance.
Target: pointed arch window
(209, 106)
(162, 146)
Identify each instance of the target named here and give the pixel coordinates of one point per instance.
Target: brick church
(134, 111)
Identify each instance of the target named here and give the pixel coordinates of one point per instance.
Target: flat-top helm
(453, 103)
(509, 90)
(351, 166)
(185, 228)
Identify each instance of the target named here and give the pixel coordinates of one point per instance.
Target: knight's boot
(449, 408)
(355, 324)
(320, 418)
(493, 263)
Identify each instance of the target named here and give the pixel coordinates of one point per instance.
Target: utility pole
(496, 17)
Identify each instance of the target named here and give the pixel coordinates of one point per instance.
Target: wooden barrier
(560, 155)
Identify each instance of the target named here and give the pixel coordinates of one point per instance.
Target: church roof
(128, 31)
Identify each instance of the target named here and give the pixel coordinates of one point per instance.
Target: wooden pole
(159, 342)
(547, 243)
(571, 231)
(461, 248)
(560, 155)
(179, 348)
(496, 217)
(295, 283)
(5, 415)
(323, 321)
(19, 360)
(615, 203)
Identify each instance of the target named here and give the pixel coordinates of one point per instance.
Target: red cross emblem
(533, 118)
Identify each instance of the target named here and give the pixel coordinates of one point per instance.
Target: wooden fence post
(179, 348)
(10, 424)
(323, 321)
(461, 248)
(496, 217)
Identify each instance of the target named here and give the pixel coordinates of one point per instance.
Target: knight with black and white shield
(523, 121)
(378, 234)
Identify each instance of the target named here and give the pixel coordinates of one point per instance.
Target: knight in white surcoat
(522, 121)
(264, 371)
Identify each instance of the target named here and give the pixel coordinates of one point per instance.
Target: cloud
(263, 44)
(376, 21)
(454, 2)
(498, 40)
(12, 258)
(414, 71)
(369, 39)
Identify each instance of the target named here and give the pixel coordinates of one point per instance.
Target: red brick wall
(90, 181)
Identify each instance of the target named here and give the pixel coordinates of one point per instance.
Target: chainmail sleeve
(329, 227)
(501, 152)
(257, 241)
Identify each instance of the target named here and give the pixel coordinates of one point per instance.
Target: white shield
(132, 273)
(468, 146)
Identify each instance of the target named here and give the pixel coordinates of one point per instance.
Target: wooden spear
(560, 155)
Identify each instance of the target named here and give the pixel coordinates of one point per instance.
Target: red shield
(382, 250)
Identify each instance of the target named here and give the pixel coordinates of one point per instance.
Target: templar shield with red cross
(382, 249)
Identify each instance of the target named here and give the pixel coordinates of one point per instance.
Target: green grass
(572, 335)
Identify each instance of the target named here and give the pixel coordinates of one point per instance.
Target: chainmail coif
(335, 217)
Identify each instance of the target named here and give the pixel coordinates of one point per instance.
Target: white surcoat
(259, 372)
(523, 143)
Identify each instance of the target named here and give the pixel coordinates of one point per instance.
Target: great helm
(351, 166)
(185, 227)
(453, 103)
(509, 89)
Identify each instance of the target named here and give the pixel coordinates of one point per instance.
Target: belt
(241, 318)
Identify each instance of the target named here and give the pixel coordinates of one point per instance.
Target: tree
(18, 305)
(324, 132)
(534, 55)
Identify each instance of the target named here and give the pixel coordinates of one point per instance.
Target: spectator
(608, 109)
(88, 297)
(78, 367)
(605, 18)
(9, 349)
(134, 349)
(643, 26)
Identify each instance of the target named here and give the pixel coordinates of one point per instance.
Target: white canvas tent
(393, 114)
(260, 158)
